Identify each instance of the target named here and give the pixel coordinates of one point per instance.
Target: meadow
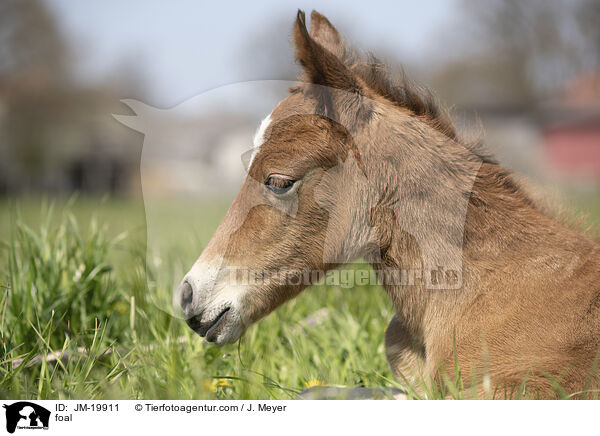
(82, 315)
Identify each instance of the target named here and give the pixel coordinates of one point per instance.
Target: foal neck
(499, 219)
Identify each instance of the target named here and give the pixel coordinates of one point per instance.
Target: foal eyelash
(278, 184)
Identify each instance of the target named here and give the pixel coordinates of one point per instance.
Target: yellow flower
(121, 307)
(313, 382)
(209, 386)
(222, 382)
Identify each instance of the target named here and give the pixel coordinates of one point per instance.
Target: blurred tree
(51, 118)
(32, 44)
(33, 82)
(519, 52)
(269, 53)
(588, 17)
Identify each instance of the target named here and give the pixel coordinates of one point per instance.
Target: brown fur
(529, 304)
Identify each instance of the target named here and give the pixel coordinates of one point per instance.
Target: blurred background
(189, 82)
(528, 73)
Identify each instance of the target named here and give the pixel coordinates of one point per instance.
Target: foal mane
(404, 93)
(420, 101)
(400, 91)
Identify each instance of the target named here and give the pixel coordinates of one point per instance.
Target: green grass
(73, 278)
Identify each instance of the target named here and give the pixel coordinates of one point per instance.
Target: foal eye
(279, 184)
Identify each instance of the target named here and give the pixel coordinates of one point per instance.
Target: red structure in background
(571, 138)
(574, 149)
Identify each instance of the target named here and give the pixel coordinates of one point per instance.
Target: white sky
(185, 47)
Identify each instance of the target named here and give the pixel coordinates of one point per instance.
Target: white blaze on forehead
(259, 137)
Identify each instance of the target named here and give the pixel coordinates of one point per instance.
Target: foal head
(325, 167)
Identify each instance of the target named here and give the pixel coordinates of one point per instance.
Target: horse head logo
(27, 415)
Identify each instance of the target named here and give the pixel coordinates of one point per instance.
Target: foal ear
(321, 66)
(323, 32)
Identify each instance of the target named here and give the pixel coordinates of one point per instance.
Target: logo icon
(26, 415)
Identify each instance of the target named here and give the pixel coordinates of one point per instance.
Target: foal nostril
(186, 292)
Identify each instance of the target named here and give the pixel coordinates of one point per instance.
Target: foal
(352, 164)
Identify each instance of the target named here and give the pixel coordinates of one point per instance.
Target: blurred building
(571, 130)
(194, 154)
(554, 142)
